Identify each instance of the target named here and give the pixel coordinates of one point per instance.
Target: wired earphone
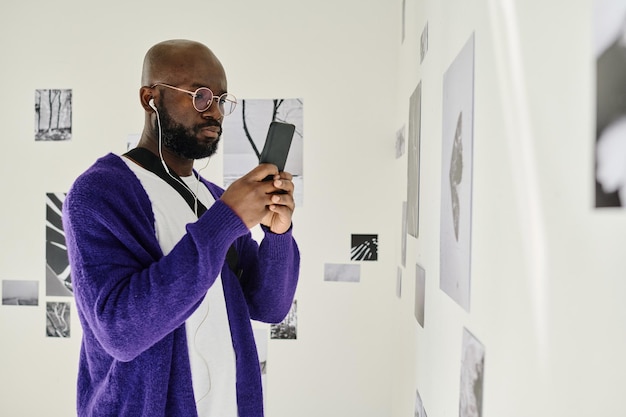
(195, 196)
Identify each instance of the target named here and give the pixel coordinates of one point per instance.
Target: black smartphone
(277, 144)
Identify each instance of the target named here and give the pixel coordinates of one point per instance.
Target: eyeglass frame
(194, 94)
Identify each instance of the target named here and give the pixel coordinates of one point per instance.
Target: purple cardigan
(133, 302)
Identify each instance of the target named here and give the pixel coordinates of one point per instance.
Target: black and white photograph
(472, 376)
(245, 131)
(400, 141)
(419, 405)
(424, 43)
(420, 294)
(58, 276)
(413, 168)
(53, 115)
(364, 248)
(57, 319)
(20, 293)
(342, 272)
(288, 328)
(456, 176)
(609, 42)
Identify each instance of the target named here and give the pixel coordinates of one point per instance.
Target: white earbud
(151, 104)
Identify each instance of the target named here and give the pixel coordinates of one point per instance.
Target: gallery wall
(543, 302)
(532, 323)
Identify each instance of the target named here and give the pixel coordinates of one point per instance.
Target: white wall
(546, 278)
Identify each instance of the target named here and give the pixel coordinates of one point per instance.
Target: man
(164, 301)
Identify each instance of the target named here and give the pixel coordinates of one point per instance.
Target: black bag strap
(151, 162)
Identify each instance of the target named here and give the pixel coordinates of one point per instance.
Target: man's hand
(268, 202)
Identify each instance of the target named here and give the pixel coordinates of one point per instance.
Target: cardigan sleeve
(270, 271)
(127, 292)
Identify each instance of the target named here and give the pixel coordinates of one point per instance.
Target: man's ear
(145, 97)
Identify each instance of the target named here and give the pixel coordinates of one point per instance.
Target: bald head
(180, 61)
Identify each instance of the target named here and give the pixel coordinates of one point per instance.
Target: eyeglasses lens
(204, 97)
(227, 103)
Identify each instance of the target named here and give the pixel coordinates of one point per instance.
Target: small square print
(58, 319)
(364, 248)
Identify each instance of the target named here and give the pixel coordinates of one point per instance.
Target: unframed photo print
(420, 293)
(364, 248)
(58, 319)
(20, 293)
(472, 376)
(342, 272)
(53, 115)
(288, 328)
(245, 132)
(413, 163)
(58, 276)
(456, 176)
(609, 25)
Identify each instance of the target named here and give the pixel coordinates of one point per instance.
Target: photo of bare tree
(288, 328)
(245, 132)
(20, 293)
(53, 115)
(58, 276)
(57, 319)
(456, 176)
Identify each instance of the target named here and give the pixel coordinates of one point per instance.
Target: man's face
(190, 140)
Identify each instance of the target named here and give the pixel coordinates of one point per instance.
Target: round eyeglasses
(203, 97)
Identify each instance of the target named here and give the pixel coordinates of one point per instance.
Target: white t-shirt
(209, 341)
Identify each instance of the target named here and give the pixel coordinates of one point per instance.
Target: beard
(183, 141)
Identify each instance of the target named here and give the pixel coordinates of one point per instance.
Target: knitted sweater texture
(133, 301)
